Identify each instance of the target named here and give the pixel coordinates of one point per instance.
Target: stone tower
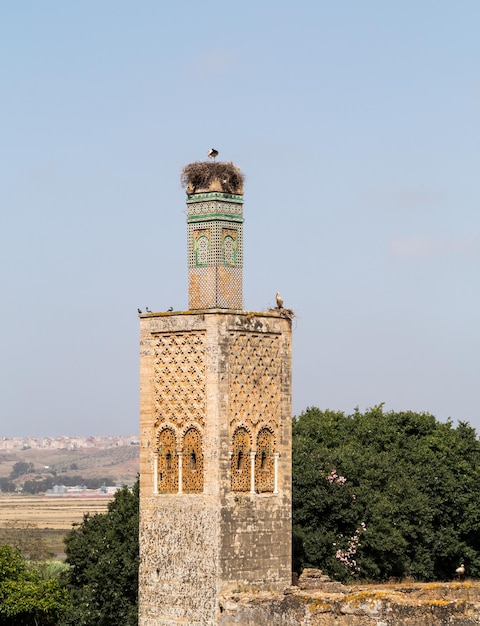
(215, 427)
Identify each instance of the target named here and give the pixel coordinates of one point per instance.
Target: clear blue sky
(357, 127)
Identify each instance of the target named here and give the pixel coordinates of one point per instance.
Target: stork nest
(288, 314)
(204, 176)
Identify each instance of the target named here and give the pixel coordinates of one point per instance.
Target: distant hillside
(120, 464)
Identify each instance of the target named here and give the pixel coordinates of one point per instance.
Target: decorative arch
(192, 461)
(240, 462)
(202, 247)
(264, 461)
(167, 461)
(229, 246)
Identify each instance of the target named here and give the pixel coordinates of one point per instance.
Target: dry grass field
(48, 512)
(41, 522)
(26, 521)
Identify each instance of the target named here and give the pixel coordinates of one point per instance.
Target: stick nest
(288, 314)
(204, 176)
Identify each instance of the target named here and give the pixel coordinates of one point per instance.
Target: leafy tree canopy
(102, 553)
(383, 495)
(6, 485)
(26, 596)
(20, 468)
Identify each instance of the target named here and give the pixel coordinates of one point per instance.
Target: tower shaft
(215, 250)
(215, 427)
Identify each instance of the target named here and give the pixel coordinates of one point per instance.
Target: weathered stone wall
(215, 374)
(179, 574)
(456, 604)
(255, 542)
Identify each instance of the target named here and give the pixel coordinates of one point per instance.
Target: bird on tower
(212, 153)
(279, 300)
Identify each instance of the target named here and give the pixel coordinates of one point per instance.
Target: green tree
(6, 485)
(26, 596)
(38, 486)
(20, 469)
(102, 553)
(411, 480)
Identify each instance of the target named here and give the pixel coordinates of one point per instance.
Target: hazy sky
(357, 127)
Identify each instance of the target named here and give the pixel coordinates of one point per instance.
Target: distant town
(67, 443)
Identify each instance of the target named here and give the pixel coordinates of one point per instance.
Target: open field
(44, 520)
(48, 512)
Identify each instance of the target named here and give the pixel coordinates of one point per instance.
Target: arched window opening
(263, 458)
(229, 250)
(167, 462)
(264, 462)
(202, 246)
(192, 475)
(240, 460)
(240, 465)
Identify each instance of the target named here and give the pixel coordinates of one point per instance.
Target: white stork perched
(279, 300)
(212, 153)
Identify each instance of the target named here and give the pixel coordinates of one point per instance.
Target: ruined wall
(440, 604)
(215, 461)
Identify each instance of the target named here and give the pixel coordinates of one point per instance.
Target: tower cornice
(215, 195)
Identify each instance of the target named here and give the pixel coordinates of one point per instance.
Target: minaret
(215, 427)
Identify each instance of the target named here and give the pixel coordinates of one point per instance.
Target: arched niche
(192, 462)
(167, 462)
(240, 460)
(264, 461)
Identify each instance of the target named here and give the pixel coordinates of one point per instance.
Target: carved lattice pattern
(211, 287)
(179, 378)
(215, 232)
(167, 463)
(241, 449)
(229, 244)
(202, 245)
(255, 385)
(192, 462)
(264, 461)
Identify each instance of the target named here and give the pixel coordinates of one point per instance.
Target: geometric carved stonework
(264, 461)
(192, 468)
(254, 373)
(167, 462)
(179, 378)
(240, 460)
(255, 396)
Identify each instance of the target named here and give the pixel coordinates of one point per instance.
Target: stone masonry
(215, 440)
